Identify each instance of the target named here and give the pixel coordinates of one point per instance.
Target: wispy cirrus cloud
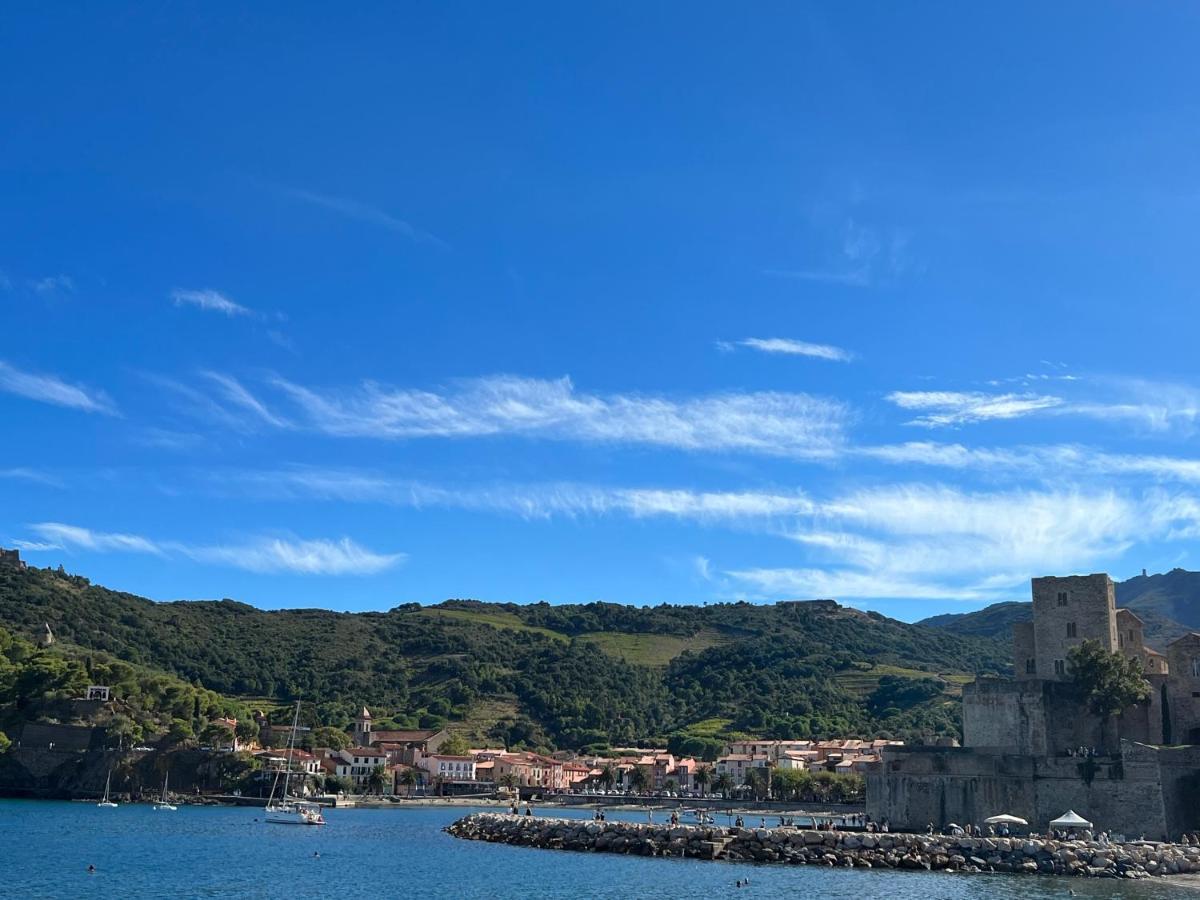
(948, 408)
(913, 540)
(534, 501)
(210, 301)
(778, 424)
(259, 554)
(24, 473)
(865, 256)
(935, 542)
(52, 284)
(790, 347)
(1152, 406)
(363, 212)
(53, 390)
(56, 535)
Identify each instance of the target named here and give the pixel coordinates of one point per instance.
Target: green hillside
(538, 675)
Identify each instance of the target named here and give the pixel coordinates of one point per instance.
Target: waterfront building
(1032, 748)
(449, 768)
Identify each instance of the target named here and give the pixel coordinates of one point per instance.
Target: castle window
(1030, 666)
(1060, 667)
(1196, 666)
(1070, 629)
(1062, 598)
(1131, 635)
(1120, 640)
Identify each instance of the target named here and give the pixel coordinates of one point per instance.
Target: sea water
(46, 848)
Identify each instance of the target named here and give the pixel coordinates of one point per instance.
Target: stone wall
(833, 848)
(1004, 716)
(1037, 717)
(915, 787)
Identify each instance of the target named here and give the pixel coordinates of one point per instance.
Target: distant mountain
(1168, 605)
(995, 621)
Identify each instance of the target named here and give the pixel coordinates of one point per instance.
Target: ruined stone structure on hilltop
(11, 559)
(1021, 734)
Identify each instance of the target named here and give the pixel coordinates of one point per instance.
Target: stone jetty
(836, 848)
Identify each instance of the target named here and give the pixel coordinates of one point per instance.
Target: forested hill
(539, 675)
(1168, 605)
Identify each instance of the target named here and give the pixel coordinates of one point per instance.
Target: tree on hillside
(455, 745)
(216, 735)
(333, 738)
(247, 731)
(5, 743)
(1109, 683)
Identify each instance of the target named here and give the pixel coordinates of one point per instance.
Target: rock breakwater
(836, 848)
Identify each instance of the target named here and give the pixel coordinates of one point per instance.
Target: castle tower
(362, 729)
(1066, 612)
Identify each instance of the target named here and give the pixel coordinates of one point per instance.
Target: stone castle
(1021, 734)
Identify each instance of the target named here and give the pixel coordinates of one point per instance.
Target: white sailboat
(162, 803)
(291, 810)
(105, 801)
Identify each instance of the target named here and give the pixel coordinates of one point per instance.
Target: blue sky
(889, 303)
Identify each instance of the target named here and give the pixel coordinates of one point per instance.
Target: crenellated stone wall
(834, 848)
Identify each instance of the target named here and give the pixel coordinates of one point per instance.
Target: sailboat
(105, 801)
(291, 810)
(162, 802)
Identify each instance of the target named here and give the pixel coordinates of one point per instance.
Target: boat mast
(291, 747)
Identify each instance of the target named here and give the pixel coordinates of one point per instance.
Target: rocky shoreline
(836, 848)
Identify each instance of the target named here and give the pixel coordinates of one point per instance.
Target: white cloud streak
(362, 212)
(779, 424)
(210, 301)
(791, 347)
(261, 554)
(53, 390)
(909, 540)
(948, 408)
(23, 473)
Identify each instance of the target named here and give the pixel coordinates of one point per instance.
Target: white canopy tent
(1005, 819)
(1070, 819)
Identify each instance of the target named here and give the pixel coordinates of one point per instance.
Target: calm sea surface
(45, 849)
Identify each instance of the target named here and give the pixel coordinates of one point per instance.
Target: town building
(449, 768)
(358, 764)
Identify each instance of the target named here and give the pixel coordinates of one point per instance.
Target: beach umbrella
(1070, 819)
(1005, 819)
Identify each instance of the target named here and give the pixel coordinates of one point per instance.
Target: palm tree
(375, 779)
(607, 776)
(639, 779)
(409, 779)
(723, 784)
(703, 778)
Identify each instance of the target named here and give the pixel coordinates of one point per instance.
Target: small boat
(162, 803)
(291, 810)
(105, 801)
